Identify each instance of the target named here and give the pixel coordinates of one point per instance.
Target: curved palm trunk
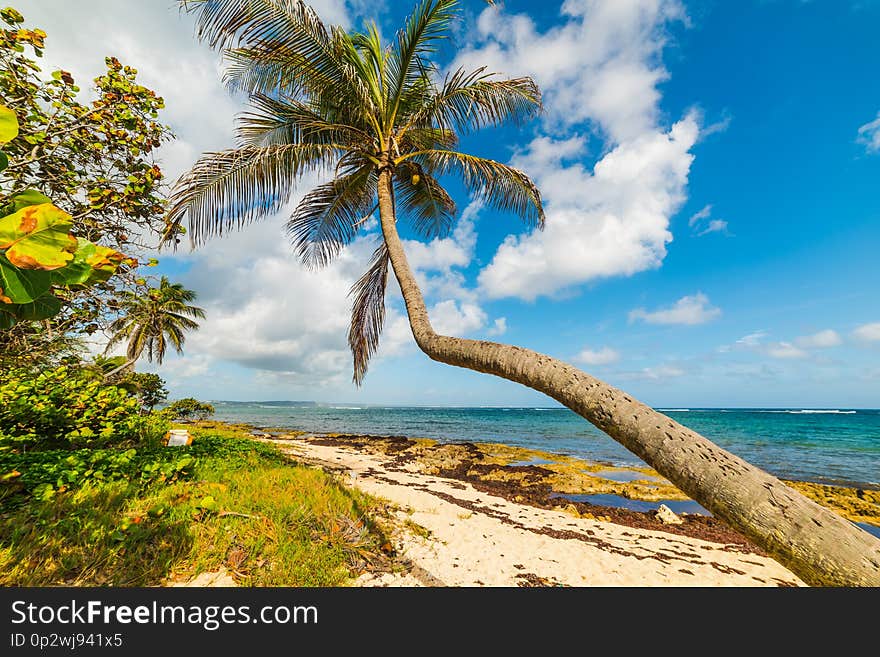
(818, 545)
(127, 365)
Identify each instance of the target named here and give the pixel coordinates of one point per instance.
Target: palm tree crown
(150, 323)
(346, 104)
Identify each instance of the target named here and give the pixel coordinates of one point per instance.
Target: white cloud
(752, 339)
(699, 216)
(690, 310)
(499, 327)
(272, 314)
(714, 226)
(821, 340)
(703, 224)
(603, 356)
(785, 350)
(456, 318)
(868, 332)
(869, 135)
(602, 66)
(658, 373)
(611, 221)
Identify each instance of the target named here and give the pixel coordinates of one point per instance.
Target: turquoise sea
(834, 446)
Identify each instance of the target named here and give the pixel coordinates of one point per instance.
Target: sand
(451, 534)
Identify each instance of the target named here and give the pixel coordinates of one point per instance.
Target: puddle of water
(530, 462)
(678, 506)
(623, 476)
(874, 530)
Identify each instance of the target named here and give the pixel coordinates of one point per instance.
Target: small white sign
(178, 438)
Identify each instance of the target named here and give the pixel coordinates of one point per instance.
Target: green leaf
(208, 503)
(4, 160)
(8, 125)
(38, 237)
(43, 308)
(7, 319)
(91, 264)
(22, 285)
(11, 16)
(26, 199)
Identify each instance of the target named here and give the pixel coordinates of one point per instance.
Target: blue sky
(711, 173)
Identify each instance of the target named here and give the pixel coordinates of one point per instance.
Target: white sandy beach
(478, 539)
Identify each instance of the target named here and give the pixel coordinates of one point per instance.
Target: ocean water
(837, 446)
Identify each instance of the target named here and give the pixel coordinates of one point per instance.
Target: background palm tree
(383, 123)
(153, 321)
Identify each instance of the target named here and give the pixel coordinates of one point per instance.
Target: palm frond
(228, 23)
(328, 217)
(235, 187)
(420, 139)
(426, 26)
(286, 121)
(470, 101)
(283, 39)
(498, 185)
(368, 313)
(429, 207)
(359, 53)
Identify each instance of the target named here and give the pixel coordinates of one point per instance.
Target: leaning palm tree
(150, 323)
(381, 121)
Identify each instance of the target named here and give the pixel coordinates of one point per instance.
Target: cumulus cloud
(599, 71)
(821, 340)
(689, 310)
(267, 312)
(800, 347)
(611, 221)
(868, 332)
(456, 318)
(601, 64)
(869, 135)
(603, 356)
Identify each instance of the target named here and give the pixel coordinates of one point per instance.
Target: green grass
(239, 505)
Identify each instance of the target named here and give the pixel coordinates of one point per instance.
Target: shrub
(70, 408)
(190, 408)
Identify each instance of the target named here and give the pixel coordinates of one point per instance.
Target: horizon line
(665, 408)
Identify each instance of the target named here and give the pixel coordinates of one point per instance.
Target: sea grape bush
(69, 407)
(93, 156)
(44, 474)
(190, 408)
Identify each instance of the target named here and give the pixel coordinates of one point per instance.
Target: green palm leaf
(498, 185)
(368, 313)
(328, 217)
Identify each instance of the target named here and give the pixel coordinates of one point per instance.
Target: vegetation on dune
(156, 515)
(70, 407)
(88, 494)
(387, 123)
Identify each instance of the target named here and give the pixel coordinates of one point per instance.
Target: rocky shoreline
(559, 481)
(466, 514)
